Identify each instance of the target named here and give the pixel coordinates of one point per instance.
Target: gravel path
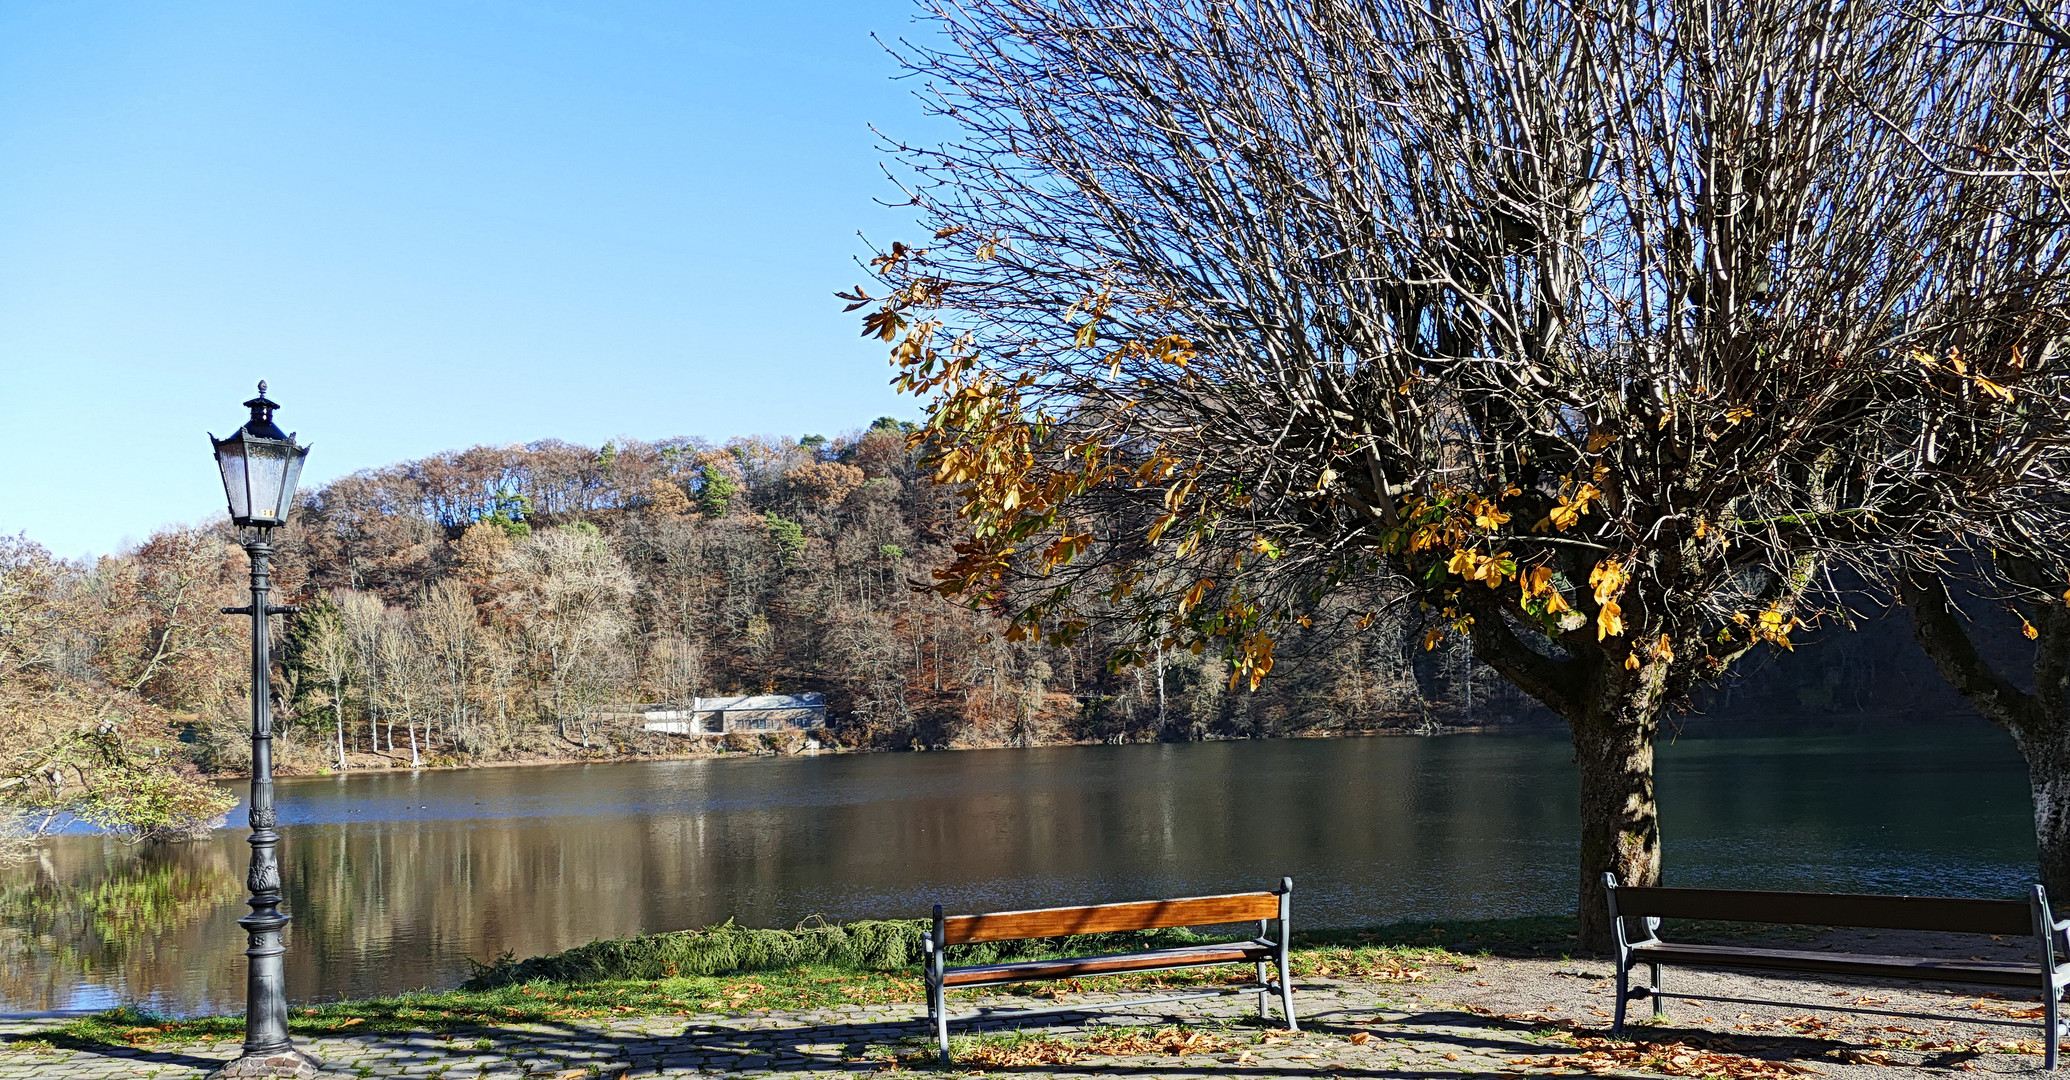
(1501, 1017)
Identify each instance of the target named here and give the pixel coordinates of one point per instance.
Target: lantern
(260, 466)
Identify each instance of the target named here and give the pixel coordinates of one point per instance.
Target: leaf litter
(1040, 1050)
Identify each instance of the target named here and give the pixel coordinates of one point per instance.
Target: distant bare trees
(569, 595)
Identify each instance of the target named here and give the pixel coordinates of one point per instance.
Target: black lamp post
(260, 465)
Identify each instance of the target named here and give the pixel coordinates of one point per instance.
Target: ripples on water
(396, 880)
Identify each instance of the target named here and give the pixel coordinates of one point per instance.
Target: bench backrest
(1105, 918)
(1831, 909)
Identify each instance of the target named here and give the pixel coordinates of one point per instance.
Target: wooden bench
(1268, 950)
(2049, 974)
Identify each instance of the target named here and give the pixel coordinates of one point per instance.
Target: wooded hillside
(484, 605)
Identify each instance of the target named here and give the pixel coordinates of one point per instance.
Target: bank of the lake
(398, 880)
(1503, 997)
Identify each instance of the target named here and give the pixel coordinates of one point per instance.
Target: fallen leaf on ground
(1046, 1050)
(1673, 1058)
(2008, 1010)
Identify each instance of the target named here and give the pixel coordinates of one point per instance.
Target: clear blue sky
(427, 224)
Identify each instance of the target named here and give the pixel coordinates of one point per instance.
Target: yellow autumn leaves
(1772, 626)
(1568, 512)
(1607, 580)
(1474, 566)
(1537, 584)
(1961, 370)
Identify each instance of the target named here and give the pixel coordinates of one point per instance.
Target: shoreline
(1692, 724)
(1518, 727)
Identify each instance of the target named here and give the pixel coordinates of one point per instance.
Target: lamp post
(260, 465)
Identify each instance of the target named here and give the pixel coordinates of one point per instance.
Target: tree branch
(1939, 629)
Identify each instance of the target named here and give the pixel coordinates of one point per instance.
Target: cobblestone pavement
(1511, 1018)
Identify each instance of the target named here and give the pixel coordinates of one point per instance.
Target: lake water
(396, 880)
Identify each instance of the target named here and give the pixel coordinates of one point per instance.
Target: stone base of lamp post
(288, 1064)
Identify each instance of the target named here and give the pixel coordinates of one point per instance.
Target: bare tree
(404, 671)
(1600, 331)
(2012, 552)
(365, 619)
(330, 653)
(450, 629)
(572, 596)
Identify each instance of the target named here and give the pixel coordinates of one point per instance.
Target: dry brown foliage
(1676, 1058)
(1042, 1050)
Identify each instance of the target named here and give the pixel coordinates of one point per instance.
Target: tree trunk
(1614, 714)
(1163, 724)
(338, 707)
(1620, 818)
(2048, 777)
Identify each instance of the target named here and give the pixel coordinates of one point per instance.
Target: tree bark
(2048, 777)
(1620, 817)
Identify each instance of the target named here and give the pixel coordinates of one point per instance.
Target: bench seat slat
(1943, 913)
(1073, 967)
(1107, 918)
(1900, 967)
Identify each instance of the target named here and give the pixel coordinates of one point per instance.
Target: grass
(461, 1013)
(728, 969)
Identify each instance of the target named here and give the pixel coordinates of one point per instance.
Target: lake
(396, 880)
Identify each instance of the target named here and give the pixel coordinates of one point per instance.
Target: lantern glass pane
(266, 470)
(230, 459)
(296, 455)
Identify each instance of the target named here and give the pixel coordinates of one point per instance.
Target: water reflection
(94, 923)
(395, 881)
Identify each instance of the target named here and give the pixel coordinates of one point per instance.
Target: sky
(428, 225)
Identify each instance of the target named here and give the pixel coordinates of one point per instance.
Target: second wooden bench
(2048, 973)
(1268, 951)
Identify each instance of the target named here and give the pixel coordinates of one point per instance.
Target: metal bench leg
(1286, 948)
(2051, 1009)
(1659, 1003)
(1622, 954)
(937, 983)
(1264, 979)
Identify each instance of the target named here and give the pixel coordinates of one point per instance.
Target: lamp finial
(261, 424)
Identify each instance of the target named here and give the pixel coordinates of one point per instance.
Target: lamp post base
(288, 1064)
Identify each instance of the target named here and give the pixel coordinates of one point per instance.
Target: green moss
(885, 945)
(463, 1014)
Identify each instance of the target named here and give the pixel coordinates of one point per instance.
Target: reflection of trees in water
(106, 915)
(439, 868)
(396, 904)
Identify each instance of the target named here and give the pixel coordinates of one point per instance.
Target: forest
(498, 603)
